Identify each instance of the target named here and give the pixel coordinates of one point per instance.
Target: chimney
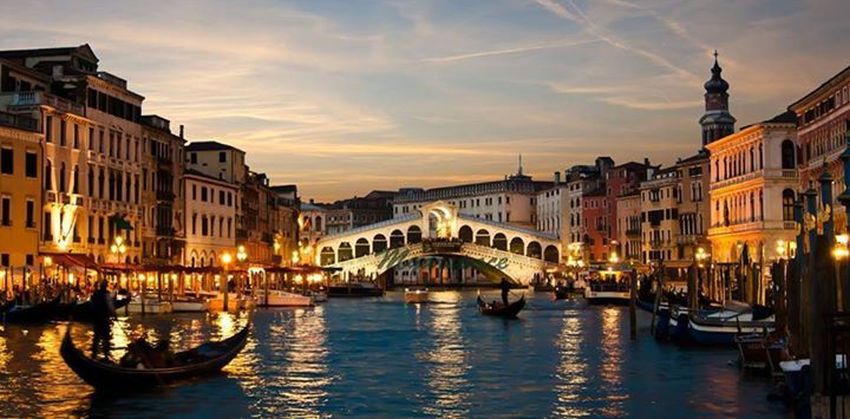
(646, 161)
(181, 131)
(557, 177)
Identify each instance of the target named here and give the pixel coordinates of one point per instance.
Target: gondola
(500, 310)
(36, 313)
(205, 359)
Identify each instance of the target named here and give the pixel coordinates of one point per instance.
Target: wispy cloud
(515, 50)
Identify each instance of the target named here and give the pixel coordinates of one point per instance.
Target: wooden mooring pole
(632, 304)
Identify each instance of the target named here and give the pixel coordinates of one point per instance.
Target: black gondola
(36, 313)
(500, 310)
(205, 359)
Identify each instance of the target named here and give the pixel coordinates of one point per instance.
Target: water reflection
(572, 368)
(611, 362)
(446, 359)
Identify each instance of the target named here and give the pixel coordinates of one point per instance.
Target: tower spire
(717, 122)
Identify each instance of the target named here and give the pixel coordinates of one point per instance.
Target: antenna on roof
(519, 172)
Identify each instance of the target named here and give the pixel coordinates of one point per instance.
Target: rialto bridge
(439, 230)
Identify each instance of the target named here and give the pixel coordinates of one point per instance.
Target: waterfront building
(286, 227)
(254, 229)
(693, 183)
(629, 226)
(91, 184)
(553, 208)
(311, 222)
(752, 194)
(512, 200)
(210, 218)
(582, 180)
(164, 171)
(217, 160)
(823, 121)
(659, 216)
(20, 192)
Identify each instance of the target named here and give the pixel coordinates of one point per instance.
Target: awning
(70, 260)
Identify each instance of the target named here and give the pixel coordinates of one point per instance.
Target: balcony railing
(18, 121)
(28, 99)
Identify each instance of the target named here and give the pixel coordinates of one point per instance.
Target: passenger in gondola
(506, 288)
(103, 311)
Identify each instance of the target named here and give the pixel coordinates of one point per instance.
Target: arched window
(788, 205)
(788, 160)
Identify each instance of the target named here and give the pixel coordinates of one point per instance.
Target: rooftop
(210, 146)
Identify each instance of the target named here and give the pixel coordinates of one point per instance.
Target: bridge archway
(551, 254)
(465, 234)
(345, 252)
(379, 243)
(482, 238)
(517, 246)
(534, 250)
(414, 235)
(361, 247)
(396, 239)
(327, 256)
(500, 241)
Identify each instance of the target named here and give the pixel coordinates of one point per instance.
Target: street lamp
(841, 251)
(241, 254)
(118, 248)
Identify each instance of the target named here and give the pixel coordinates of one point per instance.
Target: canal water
(382, 358)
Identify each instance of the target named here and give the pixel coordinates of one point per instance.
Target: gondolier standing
(506, 288)
(102, 313)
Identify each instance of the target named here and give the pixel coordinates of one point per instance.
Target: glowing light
(241, 254)
(226, 258)
(48, 261)
(841, 251)
(613, 258)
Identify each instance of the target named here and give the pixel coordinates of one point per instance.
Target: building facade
(753, 190)
(210, 218)
(823, 121)
(20, 192)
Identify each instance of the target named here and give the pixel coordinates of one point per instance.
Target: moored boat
(35, 313)
(151, 306)
(605, 293)
(355, 289)
(498, 309)
(279, 298)
(187, 304)
(105, 375)
(415, 295)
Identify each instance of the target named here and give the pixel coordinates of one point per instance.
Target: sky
(344, 97)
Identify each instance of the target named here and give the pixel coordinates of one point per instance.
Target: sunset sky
(348, 96)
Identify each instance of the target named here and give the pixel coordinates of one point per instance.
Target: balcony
(688, 239)
(23, 100)
(18, 121)
(633, 232)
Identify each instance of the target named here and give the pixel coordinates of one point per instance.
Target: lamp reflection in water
(610, 364)
(572, 369)
(446, 377)
(301, 378)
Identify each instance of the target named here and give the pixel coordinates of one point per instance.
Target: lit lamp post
(241, 257)
(118, 249)
(701, 257)
(226, 260)
(840, 252)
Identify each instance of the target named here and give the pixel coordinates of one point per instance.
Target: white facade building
(211, 206)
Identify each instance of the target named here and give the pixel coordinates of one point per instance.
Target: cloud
(490, 53)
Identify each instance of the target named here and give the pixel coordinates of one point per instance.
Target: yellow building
(753, 184)
(20, 193)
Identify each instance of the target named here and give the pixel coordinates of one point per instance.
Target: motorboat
(151, 306)
(607, 293)
(279, 298)
(187, 304)
(415, 295)
(355, 289)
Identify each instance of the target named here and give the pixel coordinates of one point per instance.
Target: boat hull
(190, 306)
(509, 311)
(152, 306)
(109, 377)
(619, 298)
(415, 297)
(284, 299)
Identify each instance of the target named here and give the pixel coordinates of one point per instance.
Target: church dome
(716, 84)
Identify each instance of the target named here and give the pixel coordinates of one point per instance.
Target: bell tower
(717, 122)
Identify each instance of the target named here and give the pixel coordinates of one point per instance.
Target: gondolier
(506, 288)
(102, 313)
